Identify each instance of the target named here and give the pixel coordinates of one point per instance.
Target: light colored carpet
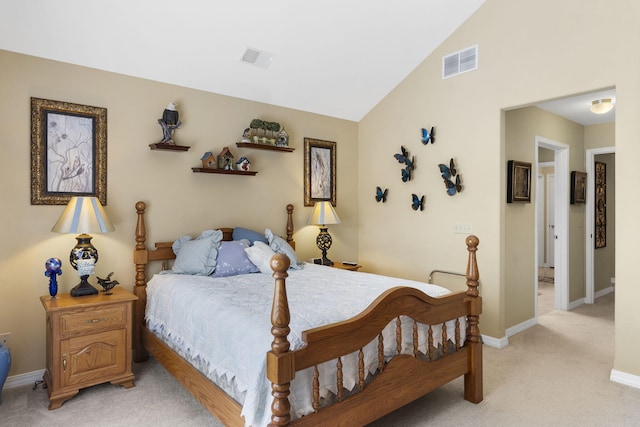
(554, 374)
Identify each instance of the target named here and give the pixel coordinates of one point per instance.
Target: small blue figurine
(54, 269)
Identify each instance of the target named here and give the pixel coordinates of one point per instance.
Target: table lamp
(322, 215)
(83, 215)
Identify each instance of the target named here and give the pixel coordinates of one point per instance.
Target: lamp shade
(83, 215)
(323, 214)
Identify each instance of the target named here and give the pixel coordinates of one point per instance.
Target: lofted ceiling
(334, 57)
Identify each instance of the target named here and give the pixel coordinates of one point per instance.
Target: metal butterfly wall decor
(428, 135)
(381, 196)
(417, 203)
(404, 159)
(448, 173)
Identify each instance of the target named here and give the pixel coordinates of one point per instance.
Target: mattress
(222, 326)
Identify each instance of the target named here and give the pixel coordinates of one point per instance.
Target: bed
(378, 348)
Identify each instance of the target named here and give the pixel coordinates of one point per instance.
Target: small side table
(349, 267)
(89, 340)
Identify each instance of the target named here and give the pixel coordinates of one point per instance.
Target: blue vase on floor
(5, 366)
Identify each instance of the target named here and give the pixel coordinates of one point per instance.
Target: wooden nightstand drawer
(93, 319)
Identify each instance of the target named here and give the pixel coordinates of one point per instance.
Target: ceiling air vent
(257, 57)
(460, 62)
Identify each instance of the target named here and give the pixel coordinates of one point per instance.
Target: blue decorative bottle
(5, 366)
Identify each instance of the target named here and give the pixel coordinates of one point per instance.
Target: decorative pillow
(260, 254)
(198, 256)
(233, 260)
(240, 233)
(281, 246)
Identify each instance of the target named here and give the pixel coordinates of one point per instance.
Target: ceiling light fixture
(601, 106)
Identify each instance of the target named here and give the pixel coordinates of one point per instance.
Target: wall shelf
(264, 147)
(168, 147)
(223, 171)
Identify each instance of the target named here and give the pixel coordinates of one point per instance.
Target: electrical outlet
(5, 339)
(462, 228)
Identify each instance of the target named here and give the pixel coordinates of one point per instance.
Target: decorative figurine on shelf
(283, 138)
(170, 121)
(243, 164)
(107, 284)
(54, 269)
(208, 160)
(246, 135)
(225, 159)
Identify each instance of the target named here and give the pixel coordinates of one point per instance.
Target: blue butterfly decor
(417, 203)
(404, 158)
(448, 173)
(381, 196)
(428, 136)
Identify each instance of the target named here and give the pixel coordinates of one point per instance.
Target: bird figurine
(170, 121)
(107, 284)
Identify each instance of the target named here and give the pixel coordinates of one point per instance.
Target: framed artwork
(600, 205)
(319, 171)
(578, 187)
(518, 181)
(68, 152)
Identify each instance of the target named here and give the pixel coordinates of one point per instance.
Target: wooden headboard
(163, 252)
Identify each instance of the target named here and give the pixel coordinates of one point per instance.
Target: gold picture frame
(518, 181)
(68, 152)
(319, 171)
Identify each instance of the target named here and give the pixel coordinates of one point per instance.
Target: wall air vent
(257, 57)
(460, 62)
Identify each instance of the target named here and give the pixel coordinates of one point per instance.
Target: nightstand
(88, 342)
(349, 267)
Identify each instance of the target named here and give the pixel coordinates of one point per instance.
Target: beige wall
(528, 52)
(180, 201)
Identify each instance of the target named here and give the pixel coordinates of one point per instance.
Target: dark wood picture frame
(319, 171)
(578, 187)
(600, 181)
(518, 181)
(68, 152)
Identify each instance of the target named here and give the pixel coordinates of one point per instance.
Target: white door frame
(590, 219)
(561, 255)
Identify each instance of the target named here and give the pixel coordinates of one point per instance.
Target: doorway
(556, 221)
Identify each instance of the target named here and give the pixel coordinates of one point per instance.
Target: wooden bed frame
(398, 381)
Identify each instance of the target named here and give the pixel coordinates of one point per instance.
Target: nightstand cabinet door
(89, 341)
(89, 359)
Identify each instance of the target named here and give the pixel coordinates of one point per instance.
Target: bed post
(473, 379)
(290, 226)
(140, 259)
(280, 369)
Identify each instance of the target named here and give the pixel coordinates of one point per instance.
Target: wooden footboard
(400, 380)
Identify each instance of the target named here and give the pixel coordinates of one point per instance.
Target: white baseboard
(495, 342)
(603, 292)
(520, 327)
(23, 379)
(624, 378)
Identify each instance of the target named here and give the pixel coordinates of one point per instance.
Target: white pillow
(198, 256)
(281, 246)
(260, 254)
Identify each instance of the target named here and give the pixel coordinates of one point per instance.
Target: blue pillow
(233, 260)
(240, 233)
(279, 245)
(198, 256)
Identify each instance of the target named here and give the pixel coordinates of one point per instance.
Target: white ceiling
(577, 108)
(334, 57)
